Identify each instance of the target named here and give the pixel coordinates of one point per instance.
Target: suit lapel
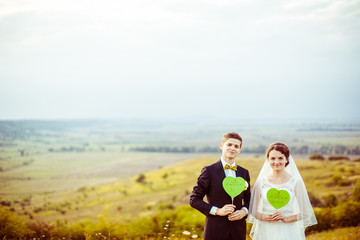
(220, 169)
(238, 171)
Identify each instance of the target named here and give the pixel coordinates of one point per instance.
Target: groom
(224, 220)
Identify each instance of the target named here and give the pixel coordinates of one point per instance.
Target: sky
(180, 59)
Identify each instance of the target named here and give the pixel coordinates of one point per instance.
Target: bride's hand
(268, 217)
(277, 216)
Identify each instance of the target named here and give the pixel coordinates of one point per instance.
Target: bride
(279, 207)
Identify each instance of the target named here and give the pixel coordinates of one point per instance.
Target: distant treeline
(170, 149)
(260, 149)
(84, 148)
(68, 149)
(327, 149)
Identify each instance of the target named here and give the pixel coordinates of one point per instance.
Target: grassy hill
(150, 198)
(71, 179)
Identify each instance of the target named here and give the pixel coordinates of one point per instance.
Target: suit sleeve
(247, 193)
(199, 191)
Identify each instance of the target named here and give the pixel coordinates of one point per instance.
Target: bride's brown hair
(278, 146)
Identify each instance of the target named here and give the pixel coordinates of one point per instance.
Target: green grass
(169, 187)
(350, 233)
(163, 190)
(56, 172)
(94, 187)
(58, 179)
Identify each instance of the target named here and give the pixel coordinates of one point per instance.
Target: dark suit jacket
(209, 184)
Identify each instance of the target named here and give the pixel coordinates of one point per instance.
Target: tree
(22, 152)
(141, 178)
(316, 156)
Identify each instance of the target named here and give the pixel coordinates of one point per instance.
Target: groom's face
(230, 148)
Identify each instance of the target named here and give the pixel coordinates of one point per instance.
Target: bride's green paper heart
(278, 198)
(233, 186)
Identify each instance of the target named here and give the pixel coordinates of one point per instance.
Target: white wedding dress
(277, 230)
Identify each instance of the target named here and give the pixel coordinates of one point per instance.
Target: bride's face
(277, 160)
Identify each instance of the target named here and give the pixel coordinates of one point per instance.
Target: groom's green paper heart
(278, 198)
(233, 186)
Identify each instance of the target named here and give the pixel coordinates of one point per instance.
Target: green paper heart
(278, 198)
(233, 186)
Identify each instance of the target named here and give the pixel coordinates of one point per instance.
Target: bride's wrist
(289, 219)
(264, 218)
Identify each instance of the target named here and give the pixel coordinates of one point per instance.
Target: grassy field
(350, 233)
(78, 184)
(130, 199)
(54, 172)
(70, 178)
(164, 188)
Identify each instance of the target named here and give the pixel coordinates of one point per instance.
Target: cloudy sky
(244, 59)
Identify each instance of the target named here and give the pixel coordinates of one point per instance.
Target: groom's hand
(239, 214)
(225, 210)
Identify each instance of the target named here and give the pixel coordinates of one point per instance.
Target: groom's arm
(199, 192)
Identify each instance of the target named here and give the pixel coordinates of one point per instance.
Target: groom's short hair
(231, 135)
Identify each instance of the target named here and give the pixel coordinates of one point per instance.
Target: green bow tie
(227, 166)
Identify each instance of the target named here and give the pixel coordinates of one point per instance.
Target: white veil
(304, 210)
